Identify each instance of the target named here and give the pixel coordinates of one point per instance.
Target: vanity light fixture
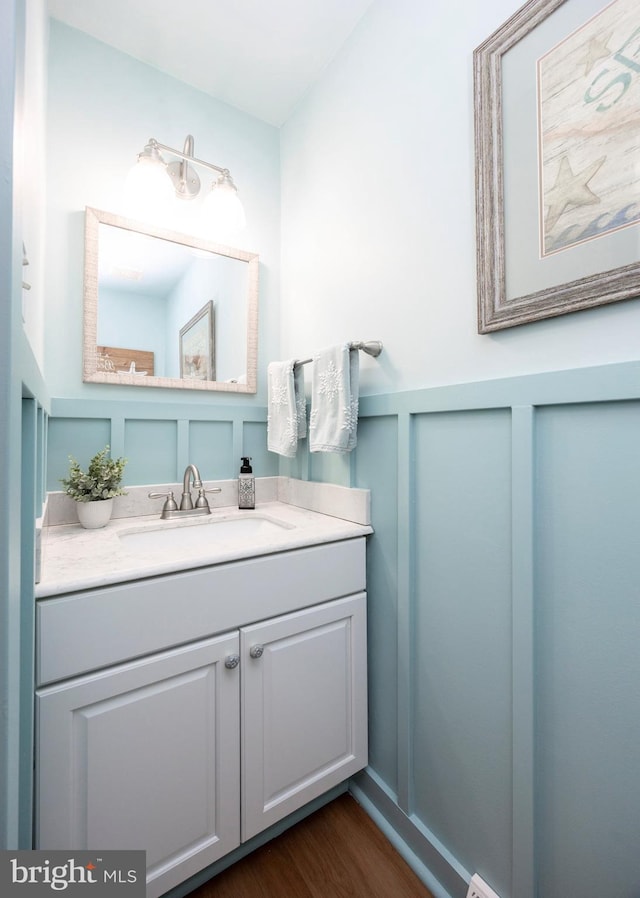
(152, 183)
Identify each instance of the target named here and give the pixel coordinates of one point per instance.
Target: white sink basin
(202, 534)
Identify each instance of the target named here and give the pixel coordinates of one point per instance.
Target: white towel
(333, 423)
(286, 410)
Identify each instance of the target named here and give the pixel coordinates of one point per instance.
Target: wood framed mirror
(144, 285)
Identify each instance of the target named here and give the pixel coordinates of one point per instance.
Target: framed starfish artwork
(557, 144)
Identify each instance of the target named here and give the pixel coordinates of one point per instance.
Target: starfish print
(595, 50)
(570, 190)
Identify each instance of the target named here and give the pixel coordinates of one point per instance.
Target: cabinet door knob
(232, 661)
(256, 651)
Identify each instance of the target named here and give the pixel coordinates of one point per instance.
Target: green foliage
(101, 481)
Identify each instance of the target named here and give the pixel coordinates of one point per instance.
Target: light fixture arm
(187, 154)
(188, 149)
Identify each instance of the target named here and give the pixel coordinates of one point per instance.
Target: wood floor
(337, 852)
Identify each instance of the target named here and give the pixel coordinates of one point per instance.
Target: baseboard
(439, 871)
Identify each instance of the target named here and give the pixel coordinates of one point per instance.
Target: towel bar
(371, 347)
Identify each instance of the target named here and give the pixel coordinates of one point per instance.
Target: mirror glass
(164, 309)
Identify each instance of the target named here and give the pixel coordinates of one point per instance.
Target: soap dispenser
(246, 485)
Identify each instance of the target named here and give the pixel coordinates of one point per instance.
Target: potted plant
(94, 490)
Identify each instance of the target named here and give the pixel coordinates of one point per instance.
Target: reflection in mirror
(164, 309)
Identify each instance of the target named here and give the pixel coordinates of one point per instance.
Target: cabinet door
(304, 708)
(145, 755)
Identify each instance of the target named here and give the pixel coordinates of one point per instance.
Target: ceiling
(260, 56)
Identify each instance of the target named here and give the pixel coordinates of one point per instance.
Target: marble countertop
(76, 559)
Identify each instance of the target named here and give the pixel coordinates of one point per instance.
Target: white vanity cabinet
(188, 750)
(146, 755)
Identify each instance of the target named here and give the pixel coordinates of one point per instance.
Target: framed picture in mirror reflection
(197, 346)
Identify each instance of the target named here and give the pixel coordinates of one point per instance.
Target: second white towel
(286, 410)
(333, 424)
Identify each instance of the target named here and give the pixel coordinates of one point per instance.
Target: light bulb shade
(222, 212)
(148, 190)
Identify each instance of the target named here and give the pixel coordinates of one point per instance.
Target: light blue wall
(503, 625)
(135, 321)
(158, 440)
(378, 212)
(23, 402)
(10, 442)
(587, 626)
(503, 574)
(103, 106)
(222, 282)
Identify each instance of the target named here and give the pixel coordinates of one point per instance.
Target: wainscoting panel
(151, 448)
(588, 656)
(461, 604)
(80, 437)
(159, 440)
(213, 441)
(513, 562)
(379, 439)
(27, 437)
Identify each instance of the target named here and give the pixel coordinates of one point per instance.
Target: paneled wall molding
(489, 500)
(172, 409)
(595, 384)
(160, 439)
(406, 551)
(523, 650)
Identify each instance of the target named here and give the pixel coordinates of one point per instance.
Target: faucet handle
(170, 504)
(201, 501)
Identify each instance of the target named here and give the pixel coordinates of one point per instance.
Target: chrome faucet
(187, 505)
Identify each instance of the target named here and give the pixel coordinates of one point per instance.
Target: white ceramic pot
(93, 515)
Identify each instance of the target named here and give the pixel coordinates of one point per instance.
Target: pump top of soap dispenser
(246, 467)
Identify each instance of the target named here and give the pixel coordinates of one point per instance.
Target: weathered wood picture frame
(557, 198)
